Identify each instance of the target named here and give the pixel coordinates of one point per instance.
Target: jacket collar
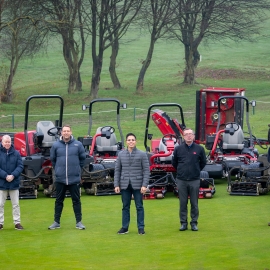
(70, 141)
(3, 149)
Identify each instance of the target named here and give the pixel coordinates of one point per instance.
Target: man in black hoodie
(188, 159)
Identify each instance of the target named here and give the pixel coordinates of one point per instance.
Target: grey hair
(7, 137)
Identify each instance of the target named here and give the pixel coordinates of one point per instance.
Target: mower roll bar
(27, 112)
(117, 113)
(247, 114)
(160, 105)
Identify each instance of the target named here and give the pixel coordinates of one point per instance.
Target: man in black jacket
(189, 159)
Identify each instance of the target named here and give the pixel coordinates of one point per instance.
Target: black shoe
(194, 227)
(122, 231)
(183, 227)
(141, 231)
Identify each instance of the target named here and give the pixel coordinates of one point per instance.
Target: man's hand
(10, 178)
(117, 189)
(143, 190)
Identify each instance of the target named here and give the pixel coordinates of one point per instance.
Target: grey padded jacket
(131, 168)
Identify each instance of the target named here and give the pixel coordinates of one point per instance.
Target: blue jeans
(126, 195)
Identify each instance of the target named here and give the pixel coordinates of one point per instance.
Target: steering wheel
(169, 137)
(54, 131)
(108, 128)
(233, 124)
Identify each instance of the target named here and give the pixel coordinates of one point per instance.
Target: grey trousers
(188, 189)
(14, 197)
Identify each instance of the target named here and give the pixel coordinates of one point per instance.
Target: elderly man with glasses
(188, 159)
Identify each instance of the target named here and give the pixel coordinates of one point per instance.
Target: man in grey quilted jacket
(131, 177)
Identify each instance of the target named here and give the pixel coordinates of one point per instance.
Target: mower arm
(212, 153)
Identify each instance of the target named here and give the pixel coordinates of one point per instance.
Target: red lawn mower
(236, 153)
(102, 149)
(162, 173)
(34, 147)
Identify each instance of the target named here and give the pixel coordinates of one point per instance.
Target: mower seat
(106, 145)
(235, 141)
(163, 148)
(42, 129)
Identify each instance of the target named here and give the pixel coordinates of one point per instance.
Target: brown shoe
(18, 226)
(1, 227)
(269, 224)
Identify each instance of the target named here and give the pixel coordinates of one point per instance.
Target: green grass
(233, 234)
(233, 231)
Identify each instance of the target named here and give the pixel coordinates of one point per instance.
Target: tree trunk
(146, 64)
(97, 67)
(71, 56)
(192, 57)
(112, 68)
(8, 93)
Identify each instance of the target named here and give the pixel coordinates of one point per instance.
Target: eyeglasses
(188, 134)
(129, 140)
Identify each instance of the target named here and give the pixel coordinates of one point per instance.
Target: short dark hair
(130, 134)
(68, 126)
(187, 128)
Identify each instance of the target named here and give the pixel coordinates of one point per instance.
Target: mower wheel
(160, 196)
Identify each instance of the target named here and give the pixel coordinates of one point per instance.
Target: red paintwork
(20, 145)
(212, 94)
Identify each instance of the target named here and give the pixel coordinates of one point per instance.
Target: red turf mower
(237, 154)
(102, 149)
(34, 147)
(162, 178)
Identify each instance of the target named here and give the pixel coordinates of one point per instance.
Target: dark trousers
(191, 189)
(126, 195)
(60, 197)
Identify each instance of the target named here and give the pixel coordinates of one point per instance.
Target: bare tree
(6, 21)
(64, 17)
(195, 20)
(109, 22)
(19, 39)
(155, 15)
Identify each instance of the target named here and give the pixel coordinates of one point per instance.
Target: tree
(6, 21)
(156, 15)
(64, 17)
(109, 22)
(18, 39)
(198, 20)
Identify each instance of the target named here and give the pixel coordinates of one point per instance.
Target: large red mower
(162, 173)
(34, 147)
(237, 154)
